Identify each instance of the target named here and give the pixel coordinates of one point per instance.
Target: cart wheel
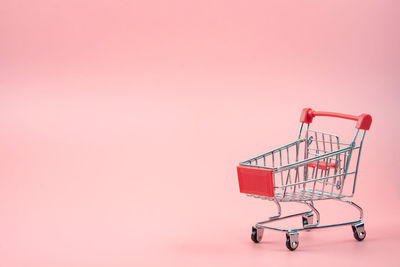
(292, 240)
(256, 234)
(359, 231)
(308, 219)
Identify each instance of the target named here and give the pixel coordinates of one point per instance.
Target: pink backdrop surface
(122, 122)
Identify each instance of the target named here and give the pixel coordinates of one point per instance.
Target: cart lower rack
(317, 166)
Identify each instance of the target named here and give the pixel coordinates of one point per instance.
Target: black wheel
(254, 235)
(360, 234)
(291, 244)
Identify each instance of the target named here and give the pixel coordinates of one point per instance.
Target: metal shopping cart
(317, 166)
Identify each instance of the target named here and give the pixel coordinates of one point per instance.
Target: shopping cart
(317, 166)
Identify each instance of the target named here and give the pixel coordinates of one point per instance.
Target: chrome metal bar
(331, 157)
(274, 150)
(279, 210)
(316, 179)
(295, 178)
(320, 141)
(323, 142)
(275, 218)
(306, 144)
(335, 172)
(303, 162)
(311, 205)
(273, 160)
(358, 162)
(301, 128)
(260, 224)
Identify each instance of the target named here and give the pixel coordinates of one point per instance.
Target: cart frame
(313, 180)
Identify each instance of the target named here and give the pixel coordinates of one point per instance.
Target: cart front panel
(256, 181)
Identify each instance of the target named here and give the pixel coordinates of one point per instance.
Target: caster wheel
(308, 219)
(359, 231)
(256, 234)
(292, 240)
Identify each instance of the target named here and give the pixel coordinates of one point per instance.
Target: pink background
(122, 122)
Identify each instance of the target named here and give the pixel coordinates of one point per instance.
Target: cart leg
(279, 208)
(292, 240)
(308, 219)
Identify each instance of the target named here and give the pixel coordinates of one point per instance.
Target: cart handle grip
(363, 121)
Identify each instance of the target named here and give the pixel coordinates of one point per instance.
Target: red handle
(363, 121)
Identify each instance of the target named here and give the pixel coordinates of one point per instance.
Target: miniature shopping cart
(317, 166)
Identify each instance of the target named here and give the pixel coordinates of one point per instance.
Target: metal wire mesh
(314, 167)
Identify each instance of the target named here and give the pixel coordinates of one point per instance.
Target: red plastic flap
(255, 181)
(321, 165)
